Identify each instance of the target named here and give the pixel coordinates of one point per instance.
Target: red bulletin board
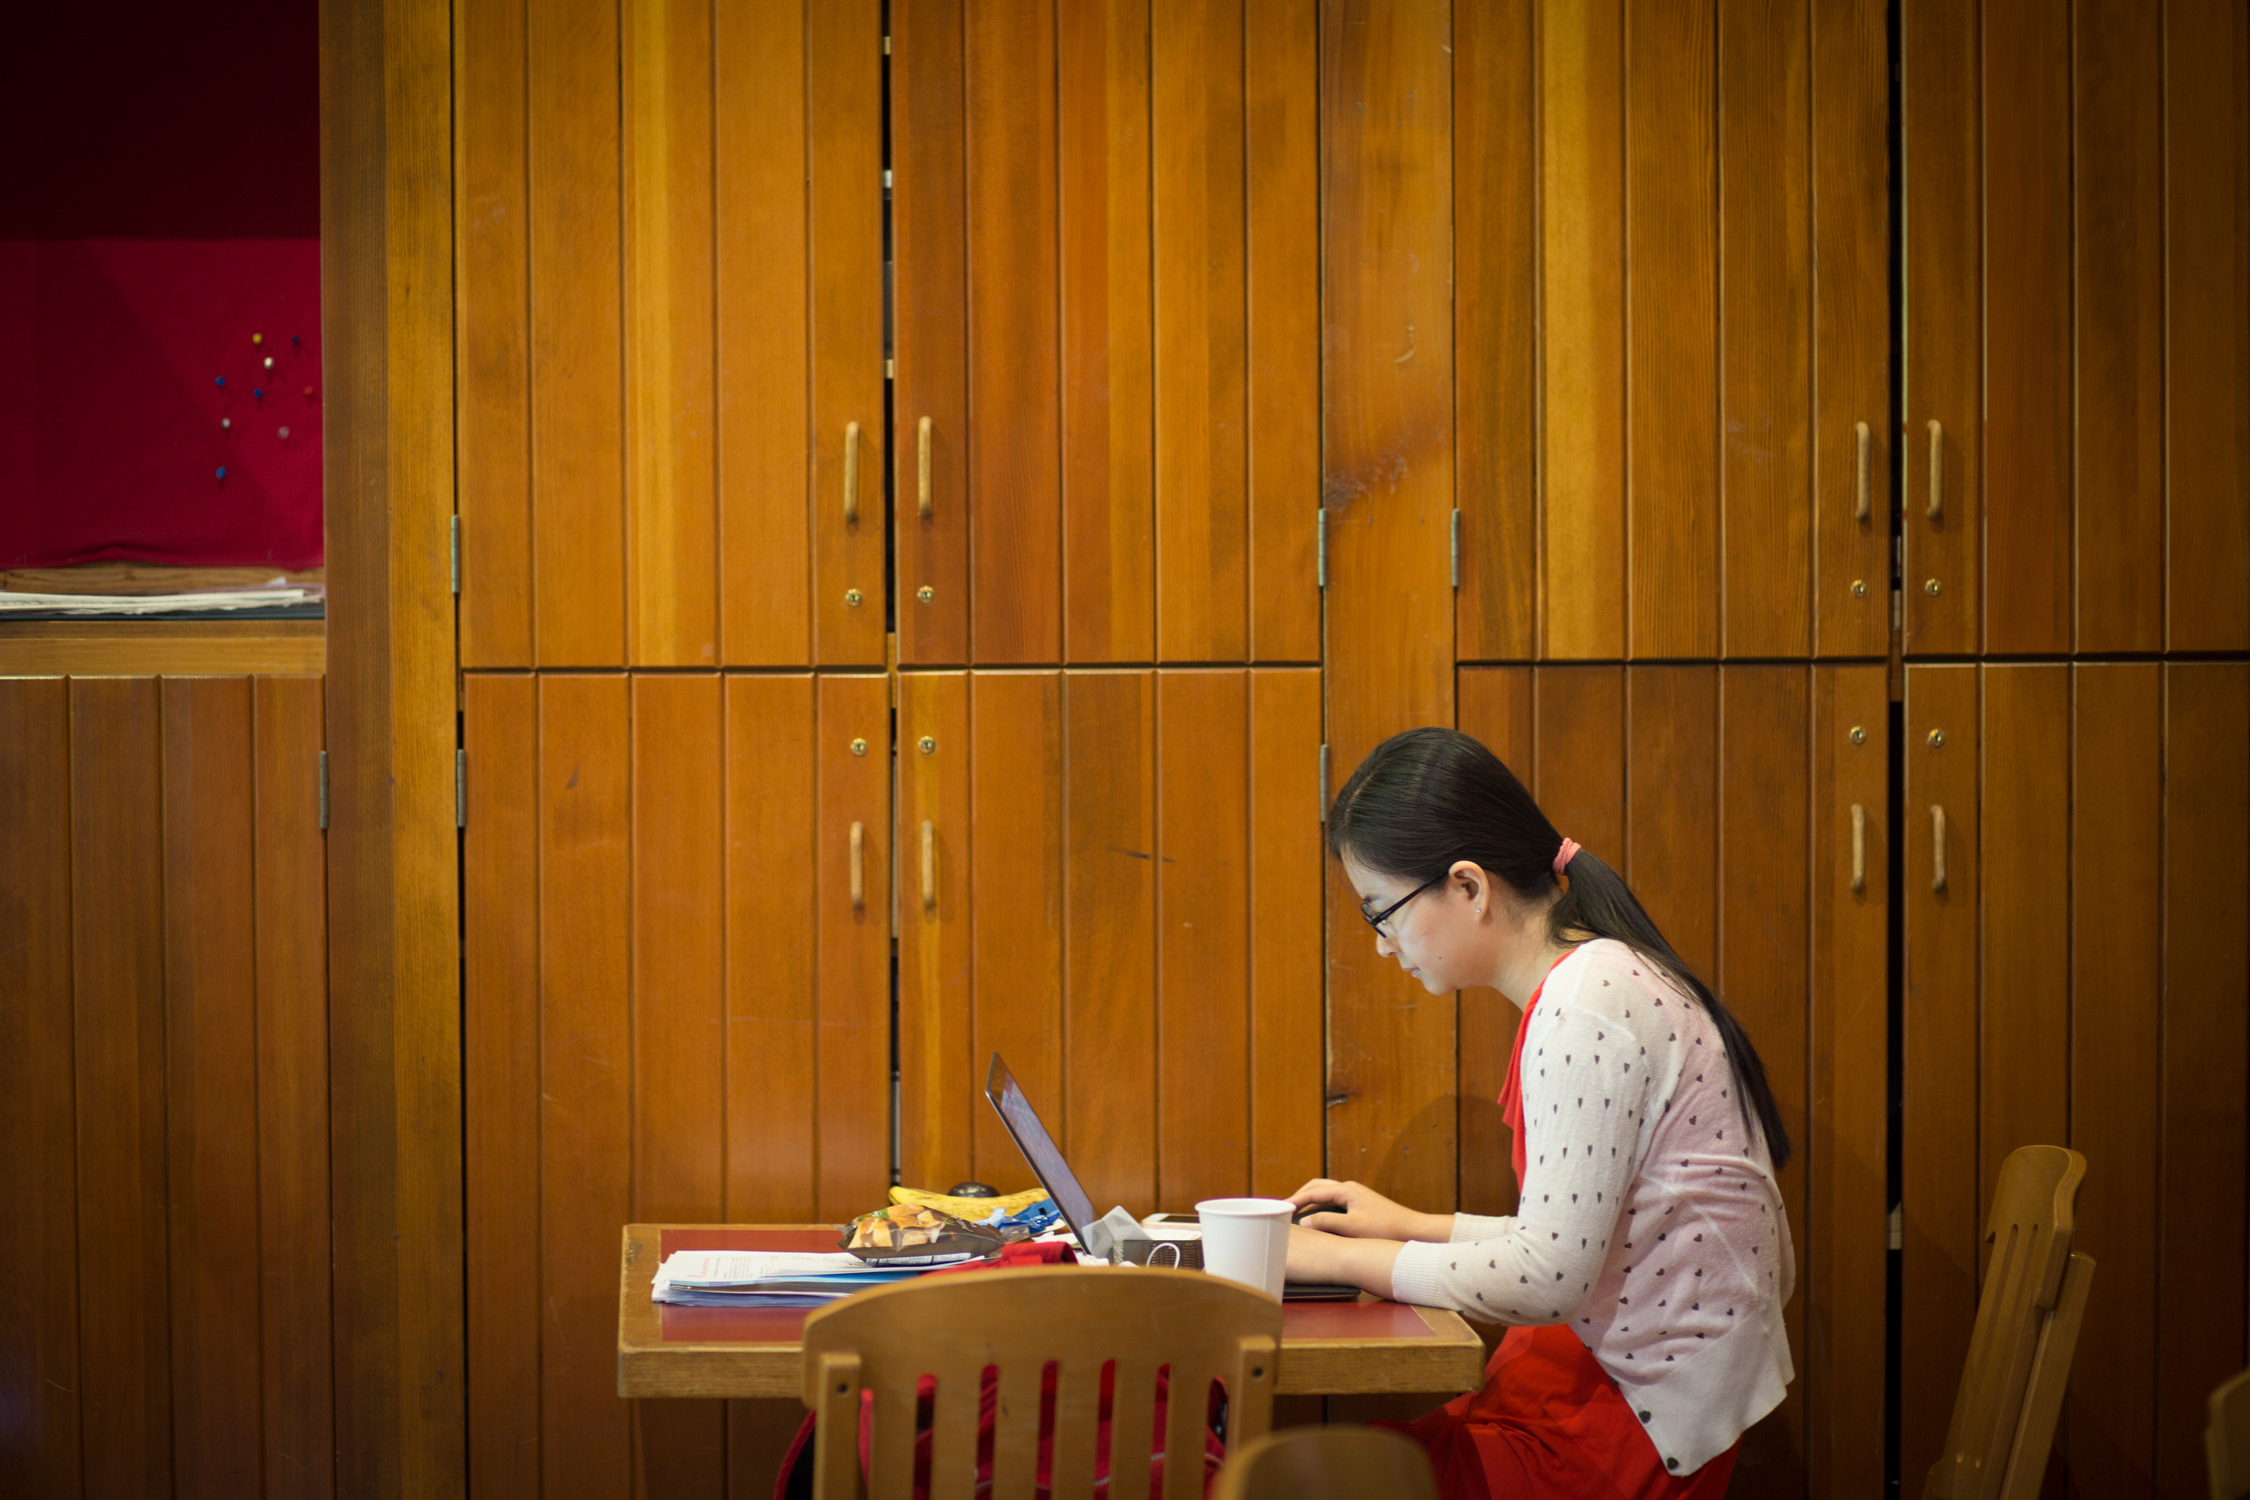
(131, 373)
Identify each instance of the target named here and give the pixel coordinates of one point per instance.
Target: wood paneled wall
(2077, 240)
(2079, 978)
(1725, 796)
(164, 1088)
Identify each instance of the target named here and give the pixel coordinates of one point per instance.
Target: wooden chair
(1317, 1463)
(2226, 1442)
(1019, 1321)
(2027, 1326)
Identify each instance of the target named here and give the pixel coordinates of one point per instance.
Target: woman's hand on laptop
(1366, 1214)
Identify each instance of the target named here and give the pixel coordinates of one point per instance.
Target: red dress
(1550, 1423)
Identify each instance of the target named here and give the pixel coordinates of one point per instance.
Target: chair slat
(1015, 1433)
(953, 1434)
(1132, 1426)
(1078, 1394)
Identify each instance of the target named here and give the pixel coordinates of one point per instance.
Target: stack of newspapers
(767, 1278)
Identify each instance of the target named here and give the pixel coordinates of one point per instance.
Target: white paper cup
(1247, 1240)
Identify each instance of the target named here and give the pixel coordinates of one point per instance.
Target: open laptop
(1096, 1236)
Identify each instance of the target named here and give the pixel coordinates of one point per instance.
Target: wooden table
(1328, 1348)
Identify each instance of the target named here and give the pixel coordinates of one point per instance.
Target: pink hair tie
(1562, 856)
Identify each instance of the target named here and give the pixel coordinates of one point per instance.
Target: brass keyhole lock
(851, 597)
(925, 594)
(859, 747)
(927, 744)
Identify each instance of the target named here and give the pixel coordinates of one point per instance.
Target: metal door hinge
(1320, 550)
(460, 788)
(886, 46)
(324, 790)
(1457, 547)
(1324, 783)
(456, 555)
(1898, 1227)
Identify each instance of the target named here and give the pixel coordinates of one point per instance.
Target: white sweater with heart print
(1649, 1220)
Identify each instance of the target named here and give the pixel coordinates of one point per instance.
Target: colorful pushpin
(269, 361)
(285, 432)
(257, 338)
(294, 341)
(258, 393)
(222, 380)
(308, 390)
(225, 422)
(222, 473)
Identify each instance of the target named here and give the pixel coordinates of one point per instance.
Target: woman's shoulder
(1610, 979)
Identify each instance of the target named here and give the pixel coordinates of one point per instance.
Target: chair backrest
(2226, 1442)
(1328, 1463)
(2027, 1327)
(1017, 1322)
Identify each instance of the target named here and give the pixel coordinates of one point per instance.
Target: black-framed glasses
(1377, 919)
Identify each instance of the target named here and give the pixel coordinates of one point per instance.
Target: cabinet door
(1123, 901)
(670, 324)
(677, 1009)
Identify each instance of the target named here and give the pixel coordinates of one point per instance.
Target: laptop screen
(1038, 1148)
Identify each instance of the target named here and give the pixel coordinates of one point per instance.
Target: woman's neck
(1525, 968)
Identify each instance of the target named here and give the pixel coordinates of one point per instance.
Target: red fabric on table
(1014, 1256)
(1549, 1423)
(110, 443)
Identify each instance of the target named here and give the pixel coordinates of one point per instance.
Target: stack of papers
(267, 597)
(766, 1278)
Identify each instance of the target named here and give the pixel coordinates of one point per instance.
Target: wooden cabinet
(1726, 796)
(2077, 309)
(1113, 879)
(2077, 882)
(1671, 334)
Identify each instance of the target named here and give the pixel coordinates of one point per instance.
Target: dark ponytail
(1429, 797)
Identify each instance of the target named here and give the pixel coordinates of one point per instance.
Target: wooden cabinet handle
(859, 867)
(1859, 848)
(1937, 470)
(1937, 847)
(929, 865)
(851, 473)
(922, 502)
(1859, 506)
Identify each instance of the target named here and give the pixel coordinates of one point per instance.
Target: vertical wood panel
(1495, 704)
(2118, 221)
(1944, 211)
(1495, 313)
(762, 333)
(501, 1082)
(1763, 975)
(2023, 835)
(585, 1091)
(1852, 316)
(1015, 540)
(772, 967)
(1285, 855)
(492, 310)
(1386, 94)
(1843, 1303)
(938, 1080)
(679, 1083)
(2207, 339)
(1582, 327)
(1765, 297)
(1671, 361)
(1942, 1210)
(853, 1044)
(1281, 102)
(1016, 902)
(929, 207)
(1202, 936)
(39, 1359)
(117, 947)
(670, 428)
(2028, 407)
(1202, 468)
(2203, 1242)
(577, 431)
(292, 984)
(210, 1094)
(2116, 1063)
(1109, 955)
(844, 217)
(1578, 755)
(1672, 805)
(1108, 332)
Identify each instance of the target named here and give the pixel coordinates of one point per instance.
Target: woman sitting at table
(1649, 1258)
